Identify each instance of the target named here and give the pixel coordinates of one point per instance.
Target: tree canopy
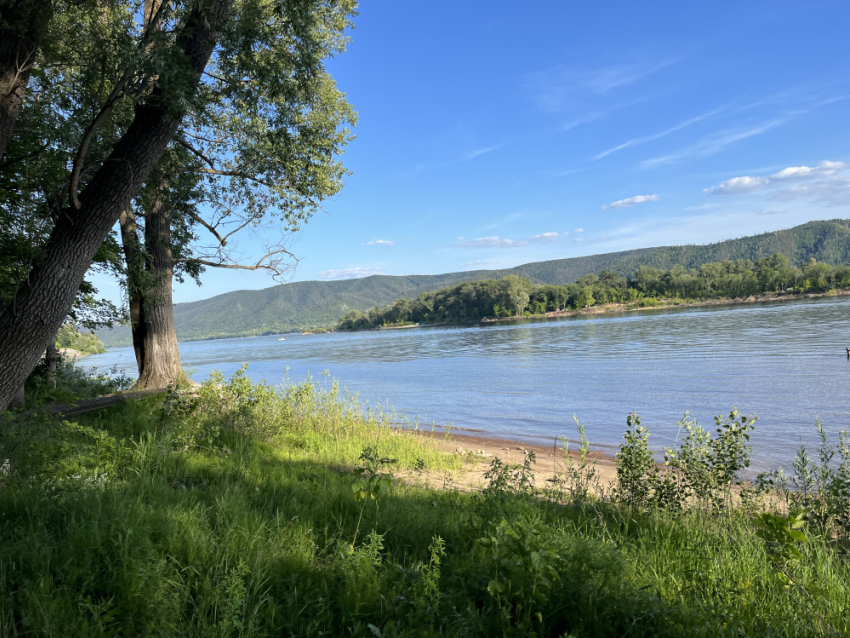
(223, 106)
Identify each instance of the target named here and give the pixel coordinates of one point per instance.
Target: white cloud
(738, 185)
(579, 230)
(490, 242)
(545, 237)
(825, 168)
(380, 242)
(502, 242)
(827, 182)
(350, 273)
(631, 201)
(578, 240)
(479, 262)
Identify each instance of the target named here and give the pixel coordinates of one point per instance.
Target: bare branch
(209, 227)
(258, 266)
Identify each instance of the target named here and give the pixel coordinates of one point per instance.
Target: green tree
(157, 85)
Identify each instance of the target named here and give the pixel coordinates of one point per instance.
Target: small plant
(636, 469)
(579, 476)
(525, 567)
(782, 535)
(427, 597)
(706, 468)
(819, 486)
(370, 483)
(509, 479)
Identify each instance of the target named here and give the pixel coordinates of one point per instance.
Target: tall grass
(242, 510)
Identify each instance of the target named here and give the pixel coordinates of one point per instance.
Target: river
(784, 362)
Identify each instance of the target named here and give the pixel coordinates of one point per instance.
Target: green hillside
(306, 304)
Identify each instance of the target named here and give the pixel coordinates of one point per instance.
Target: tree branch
(209, 227)
(114, 96)
(258, 266)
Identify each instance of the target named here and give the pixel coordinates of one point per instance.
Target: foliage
(85, 342)
(109, 528)
(578, 482)
(72, 383)
(636, 469)
(819, 486)
(514, 296)
(701, 472)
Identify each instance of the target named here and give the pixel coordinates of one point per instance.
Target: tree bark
(22, 27)
(160, 353)
(45, 299)
(134, 258)
(18, 397)
(50, 357)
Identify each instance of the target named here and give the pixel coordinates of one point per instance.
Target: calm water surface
(784, 362)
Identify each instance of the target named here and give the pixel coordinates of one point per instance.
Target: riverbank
(689, 303)
(478, 452)
(246, 512)
(649, 303)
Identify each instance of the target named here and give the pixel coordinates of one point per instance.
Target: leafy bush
(86, 342)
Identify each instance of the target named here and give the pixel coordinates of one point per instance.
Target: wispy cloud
(828, 182)
(479, 262)
(579, 230)
(350, 273)
(649, 138)
(560, 87)
(380, 242)
(544, 237)
(481, 151)
(503, 242)
(631, 201)
(490, 242)
(711, 144)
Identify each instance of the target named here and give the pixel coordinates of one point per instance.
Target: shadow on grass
(246, 538)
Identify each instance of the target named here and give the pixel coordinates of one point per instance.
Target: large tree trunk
(44, 300)
(134, 258)
(50, 357)
(160, 353)
(22, 26)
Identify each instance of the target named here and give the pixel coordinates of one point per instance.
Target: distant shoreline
(617, 308)
(612, 308)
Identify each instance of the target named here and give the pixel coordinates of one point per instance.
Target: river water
(784, 362)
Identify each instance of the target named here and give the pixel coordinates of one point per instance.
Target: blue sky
(493, 134)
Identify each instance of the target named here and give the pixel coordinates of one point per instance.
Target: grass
(242, 512)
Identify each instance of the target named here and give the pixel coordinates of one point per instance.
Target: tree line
(199, 129)
(514, 296)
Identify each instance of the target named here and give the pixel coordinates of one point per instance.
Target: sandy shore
(481, 450)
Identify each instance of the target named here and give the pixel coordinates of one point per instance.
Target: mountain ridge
(310, 304)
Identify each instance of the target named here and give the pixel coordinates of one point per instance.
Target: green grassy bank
(242, 511)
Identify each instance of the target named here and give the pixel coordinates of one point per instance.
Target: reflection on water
(784, 362)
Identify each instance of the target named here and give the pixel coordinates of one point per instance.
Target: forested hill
(309, 304)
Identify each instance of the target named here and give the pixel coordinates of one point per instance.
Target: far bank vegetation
(514, 296)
